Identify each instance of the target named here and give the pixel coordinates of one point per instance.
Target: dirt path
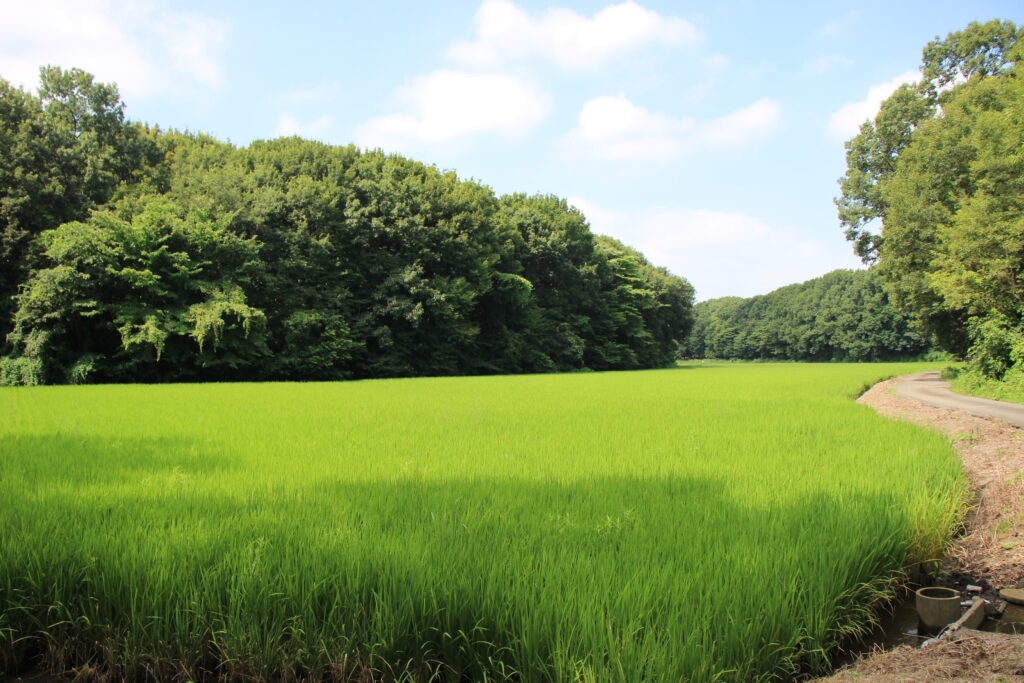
(990, 553)
(930, 388)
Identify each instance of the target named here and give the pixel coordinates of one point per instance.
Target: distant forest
(132, 254)
(844, 315)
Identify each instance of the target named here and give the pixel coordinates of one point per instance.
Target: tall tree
(910, 171)
(65, 151)
(980, 50)
(954, 239)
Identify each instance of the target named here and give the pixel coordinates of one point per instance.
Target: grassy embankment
(705, 522)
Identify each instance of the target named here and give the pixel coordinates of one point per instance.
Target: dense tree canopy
(154, 256)
(946, 182)
(65, 151)
(978, 51)
(841, 316)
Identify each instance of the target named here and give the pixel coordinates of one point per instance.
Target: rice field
(702, 523)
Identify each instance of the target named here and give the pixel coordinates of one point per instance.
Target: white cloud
(603, 221)
(664, 230)
(715, 63)
(744, 125)
(825, 63)
(710, 72)
(721, 253)
(506, 32)
(675, 229)
(615, 129)
(288, 125)
(143, 48)
(449, 104)
(846, 121)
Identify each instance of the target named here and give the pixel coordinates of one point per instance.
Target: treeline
(941, 170)
(844, 315)
(133, 254)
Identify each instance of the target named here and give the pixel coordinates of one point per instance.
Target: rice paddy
(702, 523)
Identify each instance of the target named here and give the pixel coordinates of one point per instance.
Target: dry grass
(974, 657)
(992, 451)
(991, 551)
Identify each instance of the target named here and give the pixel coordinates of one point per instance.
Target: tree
(556, 252)
(916, 171)
(871, 160)
(978, 51)
(842, 315)
(954, 241)
(65, 152)
(144, 291)
(291, 259)
(647, 309)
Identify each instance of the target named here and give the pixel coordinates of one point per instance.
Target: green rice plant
(730, 522)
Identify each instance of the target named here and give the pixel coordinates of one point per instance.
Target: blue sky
(708, 135)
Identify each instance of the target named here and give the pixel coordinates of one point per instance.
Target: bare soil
(35, 676)
(990, 553)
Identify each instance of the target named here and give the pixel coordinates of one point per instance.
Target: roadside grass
(730, 522)
(971, 382)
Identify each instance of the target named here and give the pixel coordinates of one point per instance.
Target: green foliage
(871, 159)
(951, 196)
(872, 155)
(998, 344)
(843, 315)
(22, 371)
(573, 527)
(981, 49)
(951, 372)
(971, 381)
(955, 228)
(647, 304)
(129, 287)
(292, 259)
(64, 152)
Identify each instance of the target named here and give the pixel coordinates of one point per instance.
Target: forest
(844, 315)
(134, 254)
(131, 253)
(934, 197)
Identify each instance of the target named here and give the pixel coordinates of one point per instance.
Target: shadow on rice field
(544, 528)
